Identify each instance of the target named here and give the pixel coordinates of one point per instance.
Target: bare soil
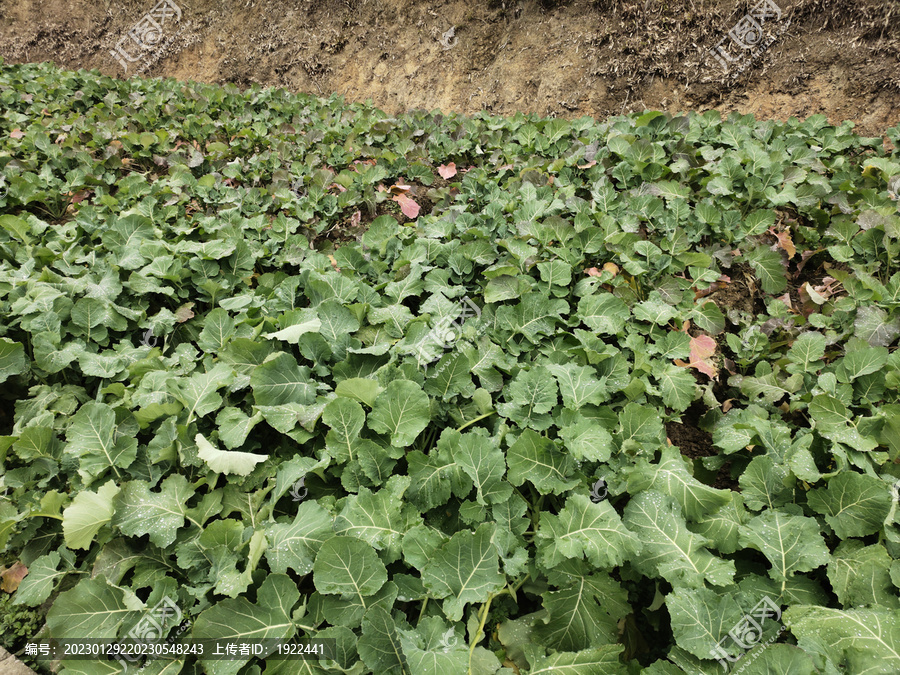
(840, 58)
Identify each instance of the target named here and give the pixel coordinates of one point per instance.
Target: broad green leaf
(792, 543)
(701, 618)
(530, 396)
(380, 519)
(363, 390)
(346, 419)
(605, 659)
(432, 649)
(769, 269)
(765, 484)
(585, 529)
(670, 476)
(669, 549)
(294, 545)
(534, 317)
(450, 377)
(88, 512)
(587, 440)
(198, 392)
(578, 385)
(873, 325)
(138, 511)
(292, 333)
(401, 410)
(484, 463)
(853, 504)
(93, 607)
(235, 426)
(677, 385)
(861, 362)
(349, 567)
(583, 613)
(94, 440)
(536, 459)
(603, 313)
(227, 461)
(867, 640)
(464, 570)
(218, 329)
(42, 576)
(280, 380)
(859, 575)
(12, 359)
(807, 349)
(380, 646)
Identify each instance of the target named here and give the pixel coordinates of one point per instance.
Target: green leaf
(93, 607)
(670, 549)
(226, 461)
(361, 389)
(605, 659)
(792, 543)
(701, 618)
(346, 419)
(464, 570)
(807, 349)
(88, 512)
(531, 394)
(349, 567)
(853, 504)
(401, 410)
(866, 640)
(587, 440)
(280, 380)
(380, 647)
(535, 458)
(240, 619)
(380, 519)
(670, 476)
(37, 586)
(585, 529)
(859, 575)
(583, 613)
(159, 514)
(12, 359)
(873, 326)
(769, 269)
(450, 377)
(94, 440)
(578, 385)
(603, 313)
(294, 545)
(484, 463)
(677, 385)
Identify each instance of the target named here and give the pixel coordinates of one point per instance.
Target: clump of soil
(694, 443)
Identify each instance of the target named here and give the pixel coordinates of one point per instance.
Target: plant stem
(472, 421)
(478, 633)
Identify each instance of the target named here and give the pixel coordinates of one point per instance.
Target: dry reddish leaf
(447, 171)
(727, 405)
(784, 242)
(702, 348)
(400, 189)
(356, 218)
(16, 133)
(12, 577)
(593, 272)
(588, 165)
(334, 263)
(339, 187)
(786, 299)
(408, 206)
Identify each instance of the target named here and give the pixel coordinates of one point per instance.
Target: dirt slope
(582, 57)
